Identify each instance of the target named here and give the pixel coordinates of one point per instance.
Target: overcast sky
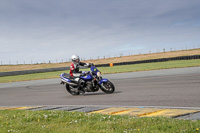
(43, 30)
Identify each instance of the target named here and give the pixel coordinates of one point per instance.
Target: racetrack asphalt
(172, 88)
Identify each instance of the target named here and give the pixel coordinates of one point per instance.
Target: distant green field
(25, 121)
(108, 70)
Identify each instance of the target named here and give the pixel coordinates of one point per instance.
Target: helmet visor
(76, 61)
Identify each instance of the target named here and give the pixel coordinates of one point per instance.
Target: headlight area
(98, 74)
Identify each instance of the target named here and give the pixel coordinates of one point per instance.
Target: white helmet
(75, 59)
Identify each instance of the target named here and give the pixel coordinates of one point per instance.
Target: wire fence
(120, 54)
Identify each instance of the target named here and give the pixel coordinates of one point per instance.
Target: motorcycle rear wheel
(69, 89)
(109, 87)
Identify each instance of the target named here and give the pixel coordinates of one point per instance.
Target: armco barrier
(33, 71)
(2, 74)
(159, 60)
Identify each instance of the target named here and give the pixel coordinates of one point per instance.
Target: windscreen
(94, 70)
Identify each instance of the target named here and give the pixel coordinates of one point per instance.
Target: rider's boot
(79, 89)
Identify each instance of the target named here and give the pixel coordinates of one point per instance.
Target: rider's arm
(84, 64)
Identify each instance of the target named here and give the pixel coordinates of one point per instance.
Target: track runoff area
(181, 113)
(192, 112)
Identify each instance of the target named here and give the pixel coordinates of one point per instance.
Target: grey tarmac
(172, 88)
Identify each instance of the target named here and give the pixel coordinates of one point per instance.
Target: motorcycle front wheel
(71, 91)
(108, 87)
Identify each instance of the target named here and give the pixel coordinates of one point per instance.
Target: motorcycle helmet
(75, 59)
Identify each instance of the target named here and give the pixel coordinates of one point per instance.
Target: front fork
(102, 81)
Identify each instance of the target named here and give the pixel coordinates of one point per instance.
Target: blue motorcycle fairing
(67, 80)
(94, 70)
(103, 81)
(64, 78)
(87, 78)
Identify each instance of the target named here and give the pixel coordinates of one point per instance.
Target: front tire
(69, 89)
(108, 87)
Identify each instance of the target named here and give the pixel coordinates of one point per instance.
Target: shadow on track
(99, 93)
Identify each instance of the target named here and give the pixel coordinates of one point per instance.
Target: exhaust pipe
(69, 83)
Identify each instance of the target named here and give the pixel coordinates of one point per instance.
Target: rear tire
(69, 89)
(109, 87)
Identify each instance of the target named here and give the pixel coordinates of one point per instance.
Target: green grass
(151, 66)
(27, 77)
(71, 122)
(107, 70)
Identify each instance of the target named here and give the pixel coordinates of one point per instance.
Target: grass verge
(64, 121)
(108, 70)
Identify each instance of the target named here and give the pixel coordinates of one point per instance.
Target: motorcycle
(90, 81)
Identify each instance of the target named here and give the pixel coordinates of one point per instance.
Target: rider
(74, 69)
